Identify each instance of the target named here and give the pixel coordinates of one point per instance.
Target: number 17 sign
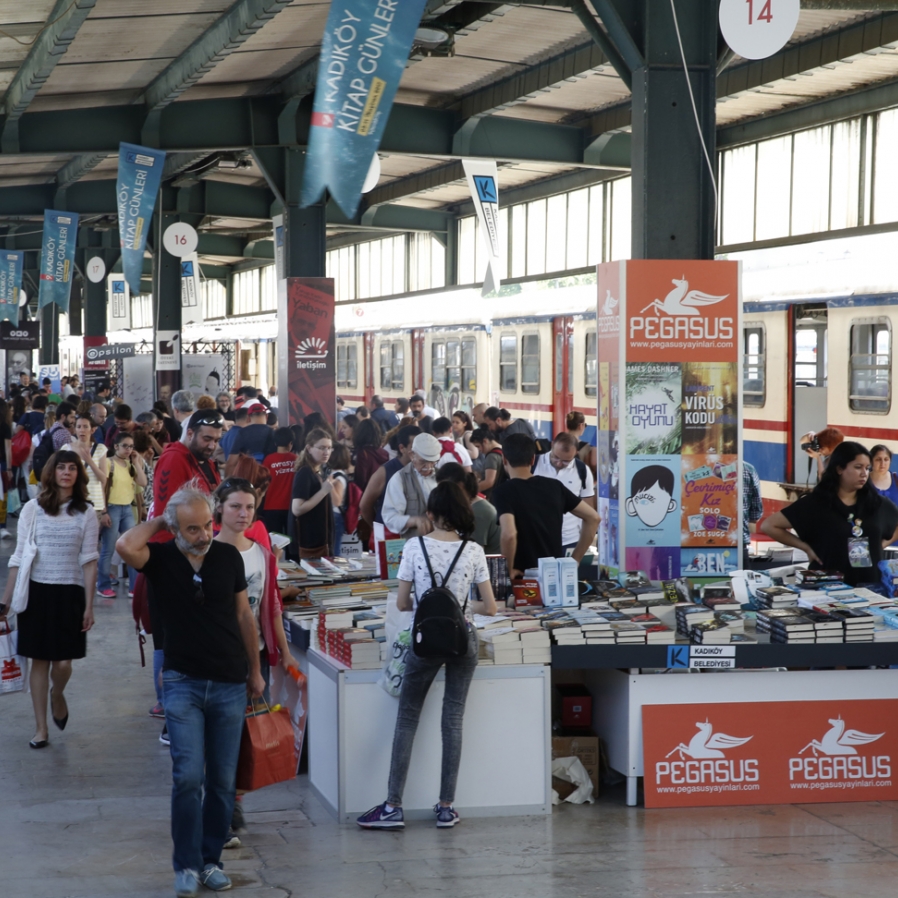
(756, 29)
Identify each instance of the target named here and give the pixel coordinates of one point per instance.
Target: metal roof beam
(225, 36)
(46, 51)
(72, 172)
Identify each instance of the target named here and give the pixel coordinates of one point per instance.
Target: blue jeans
(339, 531)
(205, 722)
(416, 681)
(122, 517)
(158, 659)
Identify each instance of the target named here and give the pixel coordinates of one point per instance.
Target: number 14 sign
(756, 29)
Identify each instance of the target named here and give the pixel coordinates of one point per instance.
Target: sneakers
(163, 736)
(215, 878)
(233, 840)
(106, 593)
(378, 818)
(5, 534)
(158, 711)
(187, 883)
(446, 817)
(130, 594)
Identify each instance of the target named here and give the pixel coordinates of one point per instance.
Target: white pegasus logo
(312, 348)
(707, 744)
(683, 301)
(839, 741)
(610, 304)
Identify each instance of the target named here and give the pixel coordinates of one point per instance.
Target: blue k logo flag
(139, 177)
(57, 258)
(11, 265)
(363, 55)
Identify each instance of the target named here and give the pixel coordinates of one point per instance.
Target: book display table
(620, 691)
(507, 719)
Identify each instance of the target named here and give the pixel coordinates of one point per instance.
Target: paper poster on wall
(708, 562)
(604, 397)
(659, 562)
(168, 350)
(52, 373)
(710, 408)
(652, 501)
(614, 535)
(710, 500)
(202, 373)
(603, 442)
(652, 416)
(604, 526)
(138, 386)
(614, 460)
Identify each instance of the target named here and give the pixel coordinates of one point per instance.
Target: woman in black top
(312, 491)
(844, 524)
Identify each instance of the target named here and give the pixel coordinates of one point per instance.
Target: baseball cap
(427, 447)
(205, 417)
(256, 408)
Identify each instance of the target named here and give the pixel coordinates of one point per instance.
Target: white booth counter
(506, 756)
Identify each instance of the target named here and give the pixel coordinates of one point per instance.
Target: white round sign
(373, 175)
(180, 239)
(96, 269)
(756, 29)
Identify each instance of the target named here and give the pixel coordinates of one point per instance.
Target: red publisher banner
(310, 354)
(98, 364)
(770, 753)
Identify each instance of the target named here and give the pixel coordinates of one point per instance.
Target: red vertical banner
(311, 348)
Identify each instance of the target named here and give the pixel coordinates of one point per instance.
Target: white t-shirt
(471, 567)
(463, 453)
(254, 566)
(570, 477)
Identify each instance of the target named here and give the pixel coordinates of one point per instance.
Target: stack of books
(656, 633)
(688, 614)
(777, 596)
(710, 632)
(353, 648)
(628, 633)
(501, 645)
(858, 623)
(827, 627)
(792, 630)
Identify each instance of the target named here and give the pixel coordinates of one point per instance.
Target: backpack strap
(581, 470)
(444, 578)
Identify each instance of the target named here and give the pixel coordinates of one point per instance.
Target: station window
(530, 363)
(469, 365)
(754, 368)
(508, 363)
(392, 365)
(870, 367)
(591, 373)
(347, 365)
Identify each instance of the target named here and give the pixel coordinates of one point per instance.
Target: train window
(870, 367)
(398, 353)
(386, 367)
(530, 363)
(347, 365)
(508, 364)
(559, 362)
(392, 365)
(438, 363)
(592, 367)
(754, 368)
(453, 364)
(468, 365)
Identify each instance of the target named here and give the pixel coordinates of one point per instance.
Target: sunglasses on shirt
(199, 595)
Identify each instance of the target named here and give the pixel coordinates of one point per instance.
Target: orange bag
(267, 750)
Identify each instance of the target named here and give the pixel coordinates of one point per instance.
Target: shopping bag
(267, 751)
(13, 502)
(391, 678)
(13, 667)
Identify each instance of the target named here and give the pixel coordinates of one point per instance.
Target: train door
(808, 384)
(368, 367)
(563, 368)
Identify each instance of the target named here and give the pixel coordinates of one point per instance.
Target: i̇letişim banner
(57, 258)
(139, 177)
(363, 56)
(11, 265)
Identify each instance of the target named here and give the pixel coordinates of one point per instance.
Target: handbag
(19, 600)
(13, 500)
(394, 672)
(267, 749)
(13, 667)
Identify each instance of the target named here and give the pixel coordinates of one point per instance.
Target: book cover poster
(710, 496)
(604, 397)
(614, 536)
(614, 466)
(604, 525)
(615, 389)
(603, 444)
(659, 562)
(394, 556)
(652, 501)
(710, 408)
(653, 398)
(708, 562)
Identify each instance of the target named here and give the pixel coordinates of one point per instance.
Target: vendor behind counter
(844, 524)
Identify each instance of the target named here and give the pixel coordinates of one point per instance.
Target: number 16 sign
(756, 29)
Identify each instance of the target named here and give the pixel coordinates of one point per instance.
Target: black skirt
(50, 627)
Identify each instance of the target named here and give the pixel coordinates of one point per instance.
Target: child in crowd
(282, 466)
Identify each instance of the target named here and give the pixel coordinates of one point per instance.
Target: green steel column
(305, 238)
(95, 294)
(166, 285)
(48, 354)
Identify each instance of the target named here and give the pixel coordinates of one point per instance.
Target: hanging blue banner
(363, 55)
(139, 177)
(11, 265)
(57, 258)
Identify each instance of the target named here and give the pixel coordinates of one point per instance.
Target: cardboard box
(574, 705)
(586, 748)
(570, 588)
(549, 582)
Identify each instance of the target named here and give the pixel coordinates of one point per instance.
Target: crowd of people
(186, 495)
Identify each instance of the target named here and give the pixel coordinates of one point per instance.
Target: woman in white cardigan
(57, 551)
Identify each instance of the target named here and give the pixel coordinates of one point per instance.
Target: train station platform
(89, 818)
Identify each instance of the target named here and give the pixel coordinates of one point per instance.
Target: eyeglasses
(239, 484)
(199, 595)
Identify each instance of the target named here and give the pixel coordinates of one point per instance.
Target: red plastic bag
(267, 750)
(21, 447)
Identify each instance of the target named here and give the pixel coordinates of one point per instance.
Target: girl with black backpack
(444, 558)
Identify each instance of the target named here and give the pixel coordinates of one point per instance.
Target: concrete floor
(88, 818)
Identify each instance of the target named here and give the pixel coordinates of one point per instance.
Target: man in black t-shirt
(257, 438)
(211, 661)
(531, 510)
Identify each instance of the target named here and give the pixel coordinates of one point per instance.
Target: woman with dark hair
(57, 545)
(367, 438)
(486, 531)
(457, 563)
(311, 502)
(884, 481)
(844, 524)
